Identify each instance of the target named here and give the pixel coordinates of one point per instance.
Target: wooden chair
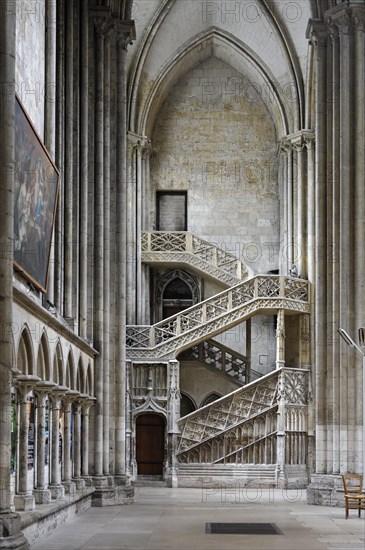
(354, 497)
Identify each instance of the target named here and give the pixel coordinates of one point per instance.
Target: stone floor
(174, 519)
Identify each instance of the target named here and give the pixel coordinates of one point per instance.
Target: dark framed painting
(35, 201)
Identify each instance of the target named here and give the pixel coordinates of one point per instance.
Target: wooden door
(150, 444)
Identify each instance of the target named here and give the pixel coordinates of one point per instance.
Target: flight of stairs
(248, 434)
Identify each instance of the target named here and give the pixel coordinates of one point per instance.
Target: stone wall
(215, 138)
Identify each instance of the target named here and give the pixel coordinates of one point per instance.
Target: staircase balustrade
(185, 247)
(243, 427)
(214, 354)
(260, 294)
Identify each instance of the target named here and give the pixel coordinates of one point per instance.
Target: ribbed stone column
(23, 499)
(67, 482)
(99, 243)
(85, 438)
(109, 27)
(10, 534)
(358, 128)
(335, 248)
(173, 415)
(42, 495)
(80, 483)
(280, 339)
(131, 258)
(84, 168)
(124, 34)
(318, 34)
(56, 488)
(347, 357)
(60, 147)
(69, 154)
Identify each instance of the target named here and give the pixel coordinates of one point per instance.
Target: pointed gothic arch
(25, 355)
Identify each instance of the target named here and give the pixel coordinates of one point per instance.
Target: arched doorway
(150, 444)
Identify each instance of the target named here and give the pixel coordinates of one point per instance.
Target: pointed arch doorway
(150, 444)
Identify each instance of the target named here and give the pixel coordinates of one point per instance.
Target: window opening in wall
(187, 405)
(177, 296)
(171, 210)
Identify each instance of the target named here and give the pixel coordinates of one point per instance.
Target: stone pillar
(358, 15)
(310, 210)
(85, 439)
(23, 499)
(69, 163)
(10, 533)
(280, 339)
(56, 488)
(109, 27)
(100, 23)
(248, 350)
(41, 493)
(130, 459)
(305, 341)
(80, 483)
(60, 146)
(67, 482)
(125, 34)
(317, 32)
(84, 168)
(131, 275)
(173, 415)
(281, 434)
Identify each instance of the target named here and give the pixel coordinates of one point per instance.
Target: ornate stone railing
(243, 427)
(260, 294)
(214, 354)
(183, 247)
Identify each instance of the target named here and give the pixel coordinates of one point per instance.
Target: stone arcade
(203, 149)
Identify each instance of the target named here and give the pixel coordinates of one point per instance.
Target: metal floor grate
(242, 529)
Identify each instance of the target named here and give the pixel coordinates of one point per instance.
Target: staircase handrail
(187, 242)
(273, 287)
(229, 396)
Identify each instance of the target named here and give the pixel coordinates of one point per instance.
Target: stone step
(213, 475)
(149, 481)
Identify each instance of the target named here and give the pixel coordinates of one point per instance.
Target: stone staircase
(182, 248)
(262, 294)
(254, 435)
(225, 477)
(260, 427)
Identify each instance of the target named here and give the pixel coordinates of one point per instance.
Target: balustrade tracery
(243, 427)
(217, 314)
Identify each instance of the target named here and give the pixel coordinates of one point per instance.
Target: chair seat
(354, 497)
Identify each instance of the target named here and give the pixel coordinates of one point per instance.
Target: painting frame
(36, 190)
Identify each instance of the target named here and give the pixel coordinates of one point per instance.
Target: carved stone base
(57, 492)
(326, 490)
(24, 502)
(10, 534)
(80, 483)
(109, 492)
(88, 481)
(42, 496)
(70, 487)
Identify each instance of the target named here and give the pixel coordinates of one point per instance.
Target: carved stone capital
(317, 33)
(126, 33)
(104, 26)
